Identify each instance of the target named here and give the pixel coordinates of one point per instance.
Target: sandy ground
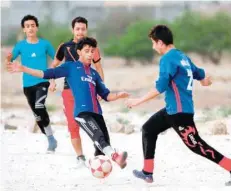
(25, 166)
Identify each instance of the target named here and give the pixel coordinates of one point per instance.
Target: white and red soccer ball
(100, 166)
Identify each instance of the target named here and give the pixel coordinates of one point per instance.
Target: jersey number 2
(190, 75)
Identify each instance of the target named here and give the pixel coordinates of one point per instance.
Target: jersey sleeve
(97, 56)
(198, 73)
(101, 89)
(60, 52)
(15, 51)
(167, 71)
(58, 72)
(50, 50)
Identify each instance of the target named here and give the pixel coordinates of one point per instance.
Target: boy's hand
(132, 102)
(122, 95)
(14, 67)
(99, 98)
(9, 57)
(52, 86)
(206, 81)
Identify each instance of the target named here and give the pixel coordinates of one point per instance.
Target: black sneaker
(146, 177)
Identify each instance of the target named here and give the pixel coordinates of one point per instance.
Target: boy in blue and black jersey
(176, 76)
(85, 84)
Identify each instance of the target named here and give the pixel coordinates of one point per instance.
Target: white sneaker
(81, 161)
(229, 182)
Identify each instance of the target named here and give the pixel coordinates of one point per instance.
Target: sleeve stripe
(68, 49)
(95, 61)
(58, 50)
(97, 57)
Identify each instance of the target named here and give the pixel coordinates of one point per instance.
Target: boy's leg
(150, 131)
(73, 127)
(30, 93)
(34, 95)
(43, 119)
(185, 127)
(100, 120)
(92, 128)
(42, 116)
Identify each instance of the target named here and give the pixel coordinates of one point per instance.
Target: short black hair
(27, 18)
(79, 20)
(161, 32)
(86, 41)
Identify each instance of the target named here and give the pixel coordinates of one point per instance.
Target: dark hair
(27, 18)
(161, 32)
(79, 20)
(86, 41)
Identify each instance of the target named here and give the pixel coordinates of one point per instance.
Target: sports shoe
(120, 159)
(52, 144)
(229, 182)
(146, 177)
(81, 161)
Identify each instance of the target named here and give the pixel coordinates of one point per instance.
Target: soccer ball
(100, 166)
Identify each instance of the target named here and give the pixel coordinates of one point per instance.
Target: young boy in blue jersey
(85, 83)
(175, 79)
(33, 52)
(67, 52)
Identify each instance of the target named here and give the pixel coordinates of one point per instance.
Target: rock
(10, 127)
(116, 128)
(219, 128)
(12, 116)
(129, 129)
(35, 128)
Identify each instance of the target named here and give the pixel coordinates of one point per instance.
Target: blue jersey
(176, 79)
(33, 56)
(85, 84)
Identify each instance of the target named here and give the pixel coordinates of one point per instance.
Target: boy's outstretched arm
(18, 67)
(137, 101)
(61, 71)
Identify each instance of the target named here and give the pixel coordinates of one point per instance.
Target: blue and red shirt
(176, 79)
(85, 83)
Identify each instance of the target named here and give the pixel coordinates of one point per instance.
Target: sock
(225, 163)
(148, 166)
(81, 157)
(50, 137)
(109, 151)
(147, 173)
(48, 131)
